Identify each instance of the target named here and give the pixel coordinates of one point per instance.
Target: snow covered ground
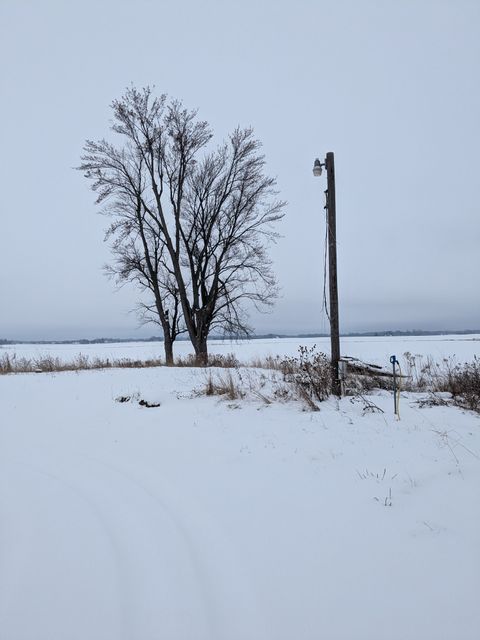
(225, 520)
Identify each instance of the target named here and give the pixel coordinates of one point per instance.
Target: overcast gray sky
(391, 87)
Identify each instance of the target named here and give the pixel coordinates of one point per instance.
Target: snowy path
(211, 520)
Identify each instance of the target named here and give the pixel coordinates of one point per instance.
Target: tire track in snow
(25, 563)
(143, 547)
(158, 563)
(227, 591)
(165, 550)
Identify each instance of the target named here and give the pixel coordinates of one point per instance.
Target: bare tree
(226, 221)
(137, 246)
(190, 224)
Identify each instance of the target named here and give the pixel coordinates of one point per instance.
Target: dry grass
(272, 363)
(225, 385)
(50, 364)
(228, 361)
(305, 379)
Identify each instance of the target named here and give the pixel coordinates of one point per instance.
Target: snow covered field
(373, 349)
(234, 520)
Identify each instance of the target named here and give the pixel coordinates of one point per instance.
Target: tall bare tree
(191, 224)
(227, 219)
(138, 248)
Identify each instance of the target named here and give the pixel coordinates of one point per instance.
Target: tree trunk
(201, 352)
(168, 346)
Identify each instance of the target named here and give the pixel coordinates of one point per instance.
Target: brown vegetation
(50, 364)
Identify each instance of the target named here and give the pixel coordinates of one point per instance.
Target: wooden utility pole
(332, 273)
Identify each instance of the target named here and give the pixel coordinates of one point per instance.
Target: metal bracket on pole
(393, 362)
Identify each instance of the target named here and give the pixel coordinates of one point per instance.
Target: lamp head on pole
(317, 168)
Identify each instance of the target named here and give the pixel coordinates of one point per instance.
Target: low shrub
(310, 374)
(462, 381)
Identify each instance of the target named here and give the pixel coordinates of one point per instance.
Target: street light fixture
(329, 165)
(317, 168)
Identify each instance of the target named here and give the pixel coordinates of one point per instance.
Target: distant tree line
(190, 222)
(265, 336)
